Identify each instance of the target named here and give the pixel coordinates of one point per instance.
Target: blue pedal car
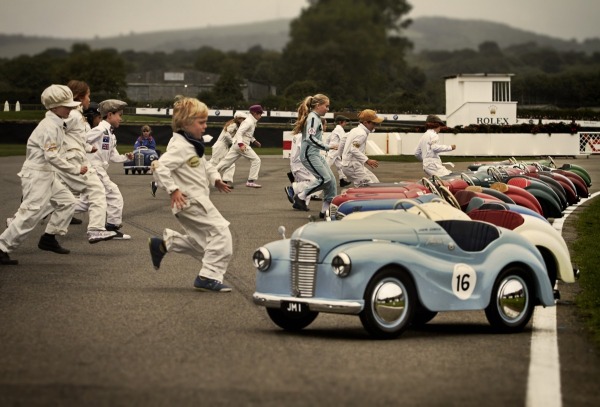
(142, 160)
(395, 269)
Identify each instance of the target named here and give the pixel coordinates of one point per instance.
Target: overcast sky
(80, 19)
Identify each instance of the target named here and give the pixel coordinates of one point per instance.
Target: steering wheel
(449, 197)
(496, 174)
(430, 185)
(400, 203)
(465, 177)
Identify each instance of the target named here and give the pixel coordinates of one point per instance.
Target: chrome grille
(304, 256)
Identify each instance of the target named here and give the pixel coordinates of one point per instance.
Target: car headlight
(341, 265)
(261, 259)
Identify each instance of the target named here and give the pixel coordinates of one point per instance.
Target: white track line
(543, 382)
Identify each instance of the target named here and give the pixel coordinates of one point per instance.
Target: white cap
(58, 95)
(239, 114)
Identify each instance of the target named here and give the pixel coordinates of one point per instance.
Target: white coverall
(243, 135)
(354, 157)
(302, 176)
(428, 151)
(41, 185)
(221, 148)
(75, 148)
(207, 236)
(333, 158)
(105, 141)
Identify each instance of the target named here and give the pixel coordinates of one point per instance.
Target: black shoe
(321, 215)
(49, 242)
(6, 260)
(112, 228)
(299, 204)
(290, 176)
(289, 193)
(344, 183)
(154, 188)
(75, 221)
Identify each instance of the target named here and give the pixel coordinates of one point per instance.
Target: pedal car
(142, 160)
(396, 268)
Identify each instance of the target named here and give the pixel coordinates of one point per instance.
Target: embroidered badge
(312, 131)
(105, 139)
(51, 147)
(194, 161)
(356, 144)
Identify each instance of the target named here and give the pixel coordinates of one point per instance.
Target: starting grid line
(543, 381)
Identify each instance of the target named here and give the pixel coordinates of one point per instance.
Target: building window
(501, 91)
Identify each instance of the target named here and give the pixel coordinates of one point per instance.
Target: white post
(6, 107)
(18, 107)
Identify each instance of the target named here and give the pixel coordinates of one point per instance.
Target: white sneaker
(253, 185)
(95, 236)
(9, 220)
(121, 236)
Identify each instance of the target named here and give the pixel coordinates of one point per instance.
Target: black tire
(390, 303)
(126, 172)
(291, 321)
(422, 316)
(145, 171)
(512, 301)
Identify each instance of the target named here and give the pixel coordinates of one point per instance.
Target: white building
(479, 99)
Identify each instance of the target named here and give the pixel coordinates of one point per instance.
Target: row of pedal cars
(397, 254)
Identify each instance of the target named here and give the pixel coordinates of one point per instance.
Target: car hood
(397, 226)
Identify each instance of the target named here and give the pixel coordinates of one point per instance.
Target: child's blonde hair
(305, 107)
(185, 110)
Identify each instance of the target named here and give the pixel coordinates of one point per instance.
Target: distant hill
(427, 33)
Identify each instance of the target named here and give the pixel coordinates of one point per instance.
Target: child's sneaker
(252, 184)
(289, 192)
(208, 284)
(121, 236)
(95, 236)
(299, 204)
(153, 188)
(157, 251)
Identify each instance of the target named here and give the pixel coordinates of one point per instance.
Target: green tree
(350, 49)
(104, 70)
(227, 91)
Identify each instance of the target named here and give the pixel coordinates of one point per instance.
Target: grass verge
(585, 254)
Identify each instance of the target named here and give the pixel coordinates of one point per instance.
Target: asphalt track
(100, 327)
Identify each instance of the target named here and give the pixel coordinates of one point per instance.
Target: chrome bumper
(314, 304)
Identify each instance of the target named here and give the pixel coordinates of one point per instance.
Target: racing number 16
(464, 280)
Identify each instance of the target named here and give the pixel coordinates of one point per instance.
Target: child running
(185, 174)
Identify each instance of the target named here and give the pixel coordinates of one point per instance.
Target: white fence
(483, 144)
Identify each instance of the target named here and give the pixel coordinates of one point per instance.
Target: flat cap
(110, 106)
